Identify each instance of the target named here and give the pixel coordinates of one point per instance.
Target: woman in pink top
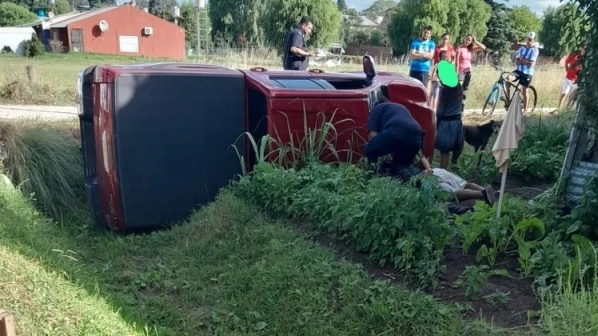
(463, 62)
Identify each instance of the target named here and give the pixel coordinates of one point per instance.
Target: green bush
(395, 223)
(542, 149)
(33, 47)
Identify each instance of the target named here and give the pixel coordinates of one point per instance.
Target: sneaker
(489, 195)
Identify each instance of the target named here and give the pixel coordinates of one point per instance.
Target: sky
(537, 6)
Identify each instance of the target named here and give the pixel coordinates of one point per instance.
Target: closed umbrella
(511, 131)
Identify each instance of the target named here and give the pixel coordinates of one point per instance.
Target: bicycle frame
(502, 84)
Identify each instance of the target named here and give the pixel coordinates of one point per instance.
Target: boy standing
(421, 53)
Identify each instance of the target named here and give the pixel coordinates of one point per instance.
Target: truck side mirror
(369, 68)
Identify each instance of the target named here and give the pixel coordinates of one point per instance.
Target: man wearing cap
(526, 61)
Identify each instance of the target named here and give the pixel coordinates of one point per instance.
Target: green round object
(447, 74)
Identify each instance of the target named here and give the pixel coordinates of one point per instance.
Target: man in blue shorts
(421, 53)
(393, 130)
(526, 61)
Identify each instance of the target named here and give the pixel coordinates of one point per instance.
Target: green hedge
(393, 222)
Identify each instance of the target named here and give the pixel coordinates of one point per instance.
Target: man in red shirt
(572, 67)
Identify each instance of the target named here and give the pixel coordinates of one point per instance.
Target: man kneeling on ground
(393, 130)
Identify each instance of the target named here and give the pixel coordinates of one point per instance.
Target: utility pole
(176, 12)
(200, 5)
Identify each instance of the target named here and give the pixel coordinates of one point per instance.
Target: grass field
(56, 76)
(229, 270)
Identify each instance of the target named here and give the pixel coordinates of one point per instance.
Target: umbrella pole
(502, 191)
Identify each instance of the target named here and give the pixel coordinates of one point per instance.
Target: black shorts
(524, 80)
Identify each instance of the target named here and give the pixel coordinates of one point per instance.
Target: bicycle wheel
(532, 97)
(491, 101)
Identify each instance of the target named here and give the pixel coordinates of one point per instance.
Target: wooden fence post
(31, 73)
(7, 324)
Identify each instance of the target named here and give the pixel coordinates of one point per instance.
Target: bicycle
(496, 94)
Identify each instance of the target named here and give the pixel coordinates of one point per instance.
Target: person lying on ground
(393, 130)
(452, 183)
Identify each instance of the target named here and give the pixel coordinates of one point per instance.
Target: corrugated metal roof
(56, 19)
(85, 15)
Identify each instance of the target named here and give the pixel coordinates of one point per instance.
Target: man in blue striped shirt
(526, 61)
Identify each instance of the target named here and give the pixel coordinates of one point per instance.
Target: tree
(347, 30)
(379, 8)
(588, 89)
(236, 22)
(283, 15)
(524, 21)
(189, 23)
(457, 17)
(500, 29)
(411, 17)
(14, 15)
(62, 6)
(474, 19)
(563, 29)
(162, 8)
(341, 5)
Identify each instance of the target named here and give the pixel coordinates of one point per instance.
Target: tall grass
(57, 74)
(44, 162)
(572, 309)
(318, 142)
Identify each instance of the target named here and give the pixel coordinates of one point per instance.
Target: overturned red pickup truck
(156, 138)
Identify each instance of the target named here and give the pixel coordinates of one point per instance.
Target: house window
(54, 36)
(128, 43)
(76, 40)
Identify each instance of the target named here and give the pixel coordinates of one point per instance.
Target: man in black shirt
(393, 130)
(295, 53)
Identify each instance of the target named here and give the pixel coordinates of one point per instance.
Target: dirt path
(62, 112)
(37, 111)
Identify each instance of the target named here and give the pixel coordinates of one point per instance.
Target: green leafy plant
(393, 222)
(501, 235)
(542, 149)
(498, 298)
(474, 279)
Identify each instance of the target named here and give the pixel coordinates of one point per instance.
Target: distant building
(362, 22)
(114, 30)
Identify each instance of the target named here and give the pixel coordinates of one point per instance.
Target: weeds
(571, 309)
(44, 163)
(542, 149)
